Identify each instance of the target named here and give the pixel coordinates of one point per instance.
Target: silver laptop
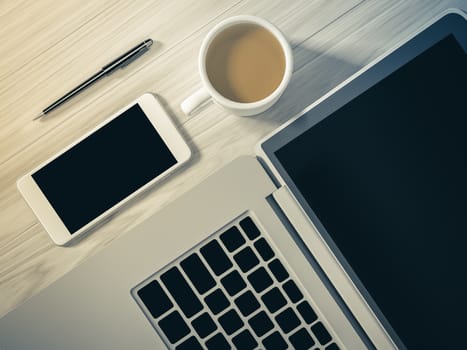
(346, 232)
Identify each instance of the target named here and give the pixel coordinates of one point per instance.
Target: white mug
(208, 92)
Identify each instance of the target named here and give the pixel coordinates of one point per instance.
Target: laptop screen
(386, 174)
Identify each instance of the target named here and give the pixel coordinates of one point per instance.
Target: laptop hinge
(289, 205)
(330, 270)
(304, 227)
(309, 234)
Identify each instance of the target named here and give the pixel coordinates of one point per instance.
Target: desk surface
(48, 47)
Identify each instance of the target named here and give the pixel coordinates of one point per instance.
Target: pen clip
(134, 57)
(127, 57)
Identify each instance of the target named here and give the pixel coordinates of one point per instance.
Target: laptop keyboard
(231, 291)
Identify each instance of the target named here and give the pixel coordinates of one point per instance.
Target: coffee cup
(245, 64)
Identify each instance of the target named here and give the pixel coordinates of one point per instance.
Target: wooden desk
(48, 47)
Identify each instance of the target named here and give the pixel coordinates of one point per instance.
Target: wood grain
(48, 47)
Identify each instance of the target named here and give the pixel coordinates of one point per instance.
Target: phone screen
(104, 168)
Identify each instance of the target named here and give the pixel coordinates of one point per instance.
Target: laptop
(347, 231)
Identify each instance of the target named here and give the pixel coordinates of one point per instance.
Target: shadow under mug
(207, 92)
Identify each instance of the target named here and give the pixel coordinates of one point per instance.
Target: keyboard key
(288, 320)
(274, 341)
(307, 312)
(301, 340)
(244, 341)
(198, 273)
(174, 327)
(181, 292)
(204, 325)
(249, 227)
(321, 333)
(247, 303)
(230, 321)
(190, 344)
(332, 346)
(274, 300)
(264, 249)
(292, 291)
(278, 270)
(218, 342)
(216, 258)
(261, 324)
(217, 301)
(155, 299)
(232, 239)
(246, 259)
(233, 283)
(260, 279)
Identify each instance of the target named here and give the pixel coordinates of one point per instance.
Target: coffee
(245, 63)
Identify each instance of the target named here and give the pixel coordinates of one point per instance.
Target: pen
(118, 63)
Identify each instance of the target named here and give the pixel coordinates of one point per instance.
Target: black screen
(104, 168)
(386, 174)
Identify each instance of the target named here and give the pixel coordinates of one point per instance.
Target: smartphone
(130, 151)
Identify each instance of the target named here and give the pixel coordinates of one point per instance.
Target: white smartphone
(121, 157)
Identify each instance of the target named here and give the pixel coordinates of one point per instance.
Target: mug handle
(198, 98)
